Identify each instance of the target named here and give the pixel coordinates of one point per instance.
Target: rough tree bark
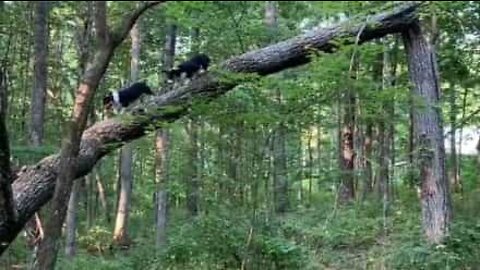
(108, 41)
(40, 70)
(346, 129)
(120, 234)
(35, 185)
(347, 150)
(428, 126)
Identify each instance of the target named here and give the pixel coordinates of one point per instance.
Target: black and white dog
(197, 64)
(123, 98)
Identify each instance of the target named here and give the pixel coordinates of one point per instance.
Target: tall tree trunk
(460, 139)
(310, 166)
(48, 248)
(40, 65)
(89, 199)
(319, 149)
(107, 42)
(36, 186)
(102, 195)
(411, 144)
(453, 132)
(387, 129)
(280, 181)
(120, 234)
(40, 69)
(193, 178)
(382, 161)
(435, 196)
(391, 81)
(29, 16)
(346, 140)
(347, 151)
(89, 181)
(358, 143)
(7, 207)
(280, 169)
(71, 221)
(383, 175)
(453, 125)
(367, 189)
(162, 146)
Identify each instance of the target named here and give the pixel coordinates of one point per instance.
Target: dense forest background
(312, 167)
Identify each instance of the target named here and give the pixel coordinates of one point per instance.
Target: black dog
(197, 64)
(124, 97)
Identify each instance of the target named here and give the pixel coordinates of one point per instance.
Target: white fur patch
(116, 97)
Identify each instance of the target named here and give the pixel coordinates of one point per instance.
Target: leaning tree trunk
(71, 145)
(428, 126)
(35, 185)
(120, 234)
(162, 147)
(83, 38)
(40, 72)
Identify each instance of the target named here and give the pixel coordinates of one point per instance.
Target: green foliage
(226, 240)
(461, 250)
(235, 134)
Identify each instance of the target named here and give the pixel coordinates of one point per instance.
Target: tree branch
(35, 185)
(123, 29)
(101, 26)
(297, 51)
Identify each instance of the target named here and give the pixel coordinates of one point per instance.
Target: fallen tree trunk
(35, 185)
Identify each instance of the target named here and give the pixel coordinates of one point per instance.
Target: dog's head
(108, 102)
(171, 74)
